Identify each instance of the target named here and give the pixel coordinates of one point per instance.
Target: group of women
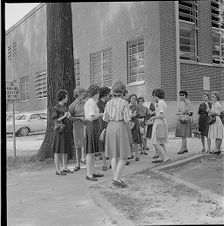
(108, 122)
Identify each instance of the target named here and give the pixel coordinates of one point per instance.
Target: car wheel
(24, 131)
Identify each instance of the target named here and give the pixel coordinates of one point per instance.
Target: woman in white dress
(160, 129)
(216, 130)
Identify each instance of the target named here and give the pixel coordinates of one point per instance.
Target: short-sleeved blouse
(184, 106)
(90, 108)
(116, 110)
(216, 108)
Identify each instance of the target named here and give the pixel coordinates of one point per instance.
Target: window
(77, 72)
(43, 115)
(41, 84)
(217, 10)
(188, 29)
(9, 54)
(136, 65)
(101, 68)
(24, 81)
(34, 117)
(14, 49)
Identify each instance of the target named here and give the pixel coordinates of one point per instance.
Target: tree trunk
(60, 66)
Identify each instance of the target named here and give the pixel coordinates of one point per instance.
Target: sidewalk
(42, 198)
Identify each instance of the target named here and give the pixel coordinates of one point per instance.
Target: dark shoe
(131, 157)
(180, 152)
(141, 152)
(155, 157)
(147, 148)
(136, 158)
(119, 184)
(91, 178)
(145, 153)
(185, 150)
(83, 162)
(110, 166)
(76, 168)
(157, 161)
(203, 150)
(61, 173)
(104, 168)
(216, 152)
(127, 163)
(67, 171)
(98, 175)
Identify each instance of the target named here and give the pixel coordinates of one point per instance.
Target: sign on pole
(12, 92)
(13, 95)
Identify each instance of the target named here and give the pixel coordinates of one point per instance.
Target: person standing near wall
(184, 127)
(160, 129)
(216, 129)
(62, 143)
(203, 121)
(76, 110)
(103, 98)
(117, 141)
(92, 133)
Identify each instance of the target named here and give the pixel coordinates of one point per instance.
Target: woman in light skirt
(117, 146)
(216, 130)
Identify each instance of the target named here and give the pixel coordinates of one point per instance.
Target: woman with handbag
(203, 121)
(184, 127)
(216, 129)
(160, 130)
(62, 142)
(103, 98)
(92, 132)
(117, 139)
(76, 110)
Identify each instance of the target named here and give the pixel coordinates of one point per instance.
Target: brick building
(168, 44)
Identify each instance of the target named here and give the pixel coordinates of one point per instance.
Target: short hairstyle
(104, 91)
(93, 90)
(183, 92)
(141, 98)
(159, 93)
(205, 92)
(78, 91)
(118, 88)
(61, 94)
(216, 93)
(132, 95)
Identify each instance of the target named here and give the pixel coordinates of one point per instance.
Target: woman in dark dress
(203, 121)
(62, 142)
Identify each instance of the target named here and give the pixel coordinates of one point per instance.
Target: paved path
(42, 198)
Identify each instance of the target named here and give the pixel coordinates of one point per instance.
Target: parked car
(27, 122)
(9, 115)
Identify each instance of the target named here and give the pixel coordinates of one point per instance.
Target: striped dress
(117, 140)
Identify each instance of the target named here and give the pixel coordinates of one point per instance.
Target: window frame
(26, 88)
(41, 84)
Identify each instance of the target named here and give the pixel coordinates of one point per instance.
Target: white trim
(24, 101)
(177, 24)
(40, 98)
(136, 83)
(200, 64)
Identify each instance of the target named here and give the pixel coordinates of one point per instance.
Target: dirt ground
(153, 199)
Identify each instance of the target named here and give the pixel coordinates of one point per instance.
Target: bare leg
(218, 143)
(64, 161)
(203, 142)
(93, 164)
(120, 167)
(56, 161)
(104, 158)
(161, 152)
(114, 166)
(78, 156)
(209, 144)
(88, 165)
(136, 150)
(83, 154)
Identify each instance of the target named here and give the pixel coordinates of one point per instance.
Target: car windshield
(21, 117)
(9, 118)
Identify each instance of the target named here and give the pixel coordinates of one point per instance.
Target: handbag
(149, 122)
(184, 118)
(161, 131)
(212, 119)
(58, 125)
(102, 135)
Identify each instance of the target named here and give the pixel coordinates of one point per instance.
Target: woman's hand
(66, 114)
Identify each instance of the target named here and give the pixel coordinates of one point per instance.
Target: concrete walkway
(42, 198)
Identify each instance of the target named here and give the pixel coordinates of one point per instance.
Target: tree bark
(60, 66)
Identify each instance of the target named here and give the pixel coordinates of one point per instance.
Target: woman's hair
(79, 91)
(104, 91)
(183, 92)
(118, 88)
(132, 95)
(61, 94)
(205, 92)
(159, 93)
(216, 93)
(93, 90)
(141, 98)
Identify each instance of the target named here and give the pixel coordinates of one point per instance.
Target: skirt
(154, 139)
(117, 140)
(216, 130)
(78, 134)
(136, 135)
(129, 133)
(149, 131)
(62, 143)
(203, 125)
(183, 129)
(92, 134)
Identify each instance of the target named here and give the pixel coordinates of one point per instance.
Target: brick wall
(97, 26)
(192, 79)
(168, 48)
